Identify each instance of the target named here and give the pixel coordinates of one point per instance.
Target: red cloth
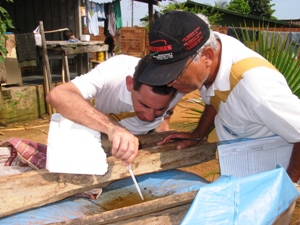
(33, 154)
(29, 152)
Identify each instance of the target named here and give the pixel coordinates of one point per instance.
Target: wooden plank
(77, 19)
(85, 49)
(57, 43)
(56, 22)
(20, 16)
(145, 140)
(29, 9)
(171, 216)
(156, 205)
(47, 18)
(65, 69)
(36, 188)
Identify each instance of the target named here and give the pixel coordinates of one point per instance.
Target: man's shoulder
(123, 60)
(126, 57)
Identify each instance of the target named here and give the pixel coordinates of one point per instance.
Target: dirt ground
(181, 120)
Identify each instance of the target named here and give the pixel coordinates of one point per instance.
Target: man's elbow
(52, 96)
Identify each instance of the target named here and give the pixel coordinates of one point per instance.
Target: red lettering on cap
(192, 39)
(163, 48)
(160, 48)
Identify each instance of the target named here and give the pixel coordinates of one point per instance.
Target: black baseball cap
(174, 37)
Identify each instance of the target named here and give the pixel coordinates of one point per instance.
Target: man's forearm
(67, 100)
(206, 122)
(293, 169)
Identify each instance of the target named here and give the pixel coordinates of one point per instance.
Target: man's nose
(150, 114)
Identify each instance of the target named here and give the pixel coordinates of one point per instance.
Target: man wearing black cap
(245, 96)
(114, 85)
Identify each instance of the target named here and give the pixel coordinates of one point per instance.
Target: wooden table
(80, 49)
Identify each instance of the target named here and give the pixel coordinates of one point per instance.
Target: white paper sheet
(73, 148)
(254, 156)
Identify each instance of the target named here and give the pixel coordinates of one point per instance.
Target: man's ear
(129, 83)
(209, 54)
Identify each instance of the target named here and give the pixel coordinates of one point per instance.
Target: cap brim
(157, 75)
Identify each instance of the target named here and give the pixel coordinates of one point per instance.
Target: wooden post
(150, 12)
(46, 66)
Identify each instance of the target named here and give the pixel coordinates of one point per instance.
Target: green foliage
(5, 22)
(261, 8)
(174, 6)
(212, 15)
(240, 6)
(193, 113)
(145, 22)
(280, 54)
(221, 4)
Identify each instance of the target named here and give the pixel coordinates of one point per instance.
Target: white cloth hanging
(92, 19)
(101, 1)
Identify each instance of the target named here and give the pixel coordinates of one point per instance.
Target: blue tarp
(152, 185)
(257, 199)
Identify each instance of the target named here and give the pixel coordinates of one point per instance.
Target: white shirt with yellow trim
(260, 105)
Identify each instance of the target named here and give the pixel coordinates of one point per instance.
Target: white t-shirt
(260, 105)
(106, 83)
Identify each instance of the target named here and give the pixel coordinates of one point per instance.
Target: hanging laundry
(98, 1)
(294, 38)
(100, 11)
(118, 14)
(110, 22)
(239, 33)
(92, 18)
(26, 49)
(277, 37)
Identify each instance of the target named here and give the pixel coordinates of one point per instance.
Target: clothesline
(101, 1)
(109, 12)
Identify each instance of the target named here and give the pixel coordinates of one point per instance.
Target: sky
(285, 9)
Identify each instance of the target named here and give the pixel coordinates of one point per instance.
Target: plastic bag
(37, 36)
(257, 199)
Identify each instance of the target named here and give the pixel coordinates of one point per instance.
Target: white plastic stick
(134, 181)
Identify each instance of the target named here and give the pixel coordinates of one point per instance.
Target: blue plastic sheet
(257, 199)
(152, 185)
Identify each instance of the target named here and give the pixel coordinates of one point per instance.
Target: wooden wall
(55, 14)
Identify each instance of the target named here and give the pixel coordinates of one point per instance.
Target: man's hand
(164, 126)
(182, 144)
(124, 144)
(204, 127)
(293, 169)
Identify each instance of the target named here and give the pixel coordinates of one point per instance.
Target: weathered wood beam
(141, 209)
(37, 188)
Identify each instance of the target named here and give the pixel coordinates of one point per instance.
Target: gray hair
(212, 40)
